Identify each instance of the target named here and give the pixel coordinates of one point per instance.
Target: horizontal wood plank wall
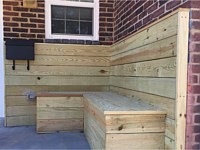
(59, 68)
(144, 66)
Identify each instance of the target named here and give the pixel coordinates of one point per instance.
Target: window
(72, 19)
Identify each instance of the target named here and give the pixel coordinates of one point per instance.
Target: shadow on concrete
(26, 138)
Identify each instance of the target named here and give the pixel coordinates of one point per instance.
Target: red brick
(36, 20)
(11, 24)
(195, 89)
(28, 15)
(195, 68)
(7, 13)
(37, 10)
(197, 119)
(28, 35)
(20, 19)
(21, 9)
(13, 3)
(29, 25)
(11, 34)
(195, 58)
(195, 4)
(193, 79)
(195, 14)
(20, 30)
(37, 30)
(7, 8)
(197, 138)
(172, 4)
(197, 110)
(158, 12)
(7, 29)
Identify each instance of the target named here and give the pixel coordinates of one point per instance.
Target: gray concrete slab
(26, 138)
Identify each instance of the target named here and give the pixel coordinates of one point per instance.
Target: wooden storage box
(59, 113)
(112, 121)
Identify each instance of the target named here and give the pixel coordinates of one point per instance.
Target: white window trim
(95, 6)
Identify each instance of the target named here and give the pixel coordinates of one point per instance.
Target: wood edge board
(59, 95)
(134, 112)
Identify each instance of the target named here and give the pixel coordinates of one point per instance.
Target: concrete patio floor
(26, 138)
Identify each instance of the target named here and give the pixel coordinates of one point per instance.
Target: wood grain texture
(156, 32)
(59, 113)
(181, 82)
(49, 125)
(65, 61)
(155, 68)
(170, 128)
(158, 86)
(56, 80)
(19, 101)
(20, 120)
(164, 103)
(161, 49)
(51, 102)
(169, 144)
(135, 123)
(14, 90)
(71, 49)
(135, 141)
(20, 110)
(57, 70)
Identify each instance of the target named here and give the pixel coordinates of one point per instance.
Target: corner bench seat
(110, 120)
(113, 121)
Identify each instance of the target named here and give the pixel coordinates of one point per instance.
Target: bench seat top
(113, 103)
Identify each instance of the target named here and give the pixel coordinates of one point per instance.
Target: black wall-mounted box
(18, 49)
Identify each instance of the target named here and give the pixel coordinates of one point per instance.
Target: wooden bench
(113, 121)
(59, 111)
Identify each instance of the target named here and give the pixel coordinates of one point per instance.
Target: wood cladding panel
(164, 103)
(54, 125)
(13, 90)
(71, 49)
(19, 101)
(65, 61)
(135, 141)
(161, 30)
(155, 68)
(20, 110)
(56, 80)
(158, 86)
(135, 123)
(59, 114)
(20, 120)
(57, 70)
(51, 102)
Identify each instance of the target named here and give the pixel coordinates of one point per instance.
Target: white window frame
(95, 6)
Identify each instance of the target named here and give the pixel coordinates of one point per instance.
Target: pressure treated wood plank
(170, 128)
(48, 125)
(135, 124)
(112, 103)
(71, 49)
(65, 61)
(181, 81)
(19, 101)
(169, 144)
(50, 102)
(159, 31)
(164, 103)
(156, 68)
(56, 80)
(23, 89)
(20, 110)
(57, 70)
(135, 141)
(158, 86)
(95, 134)
(161, 49)
(59, 113)
(20, 120)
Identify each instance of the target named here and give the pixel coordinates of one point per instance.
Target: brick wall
(132, 15)
(28, 23)
(21, 22)
(193, 101)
